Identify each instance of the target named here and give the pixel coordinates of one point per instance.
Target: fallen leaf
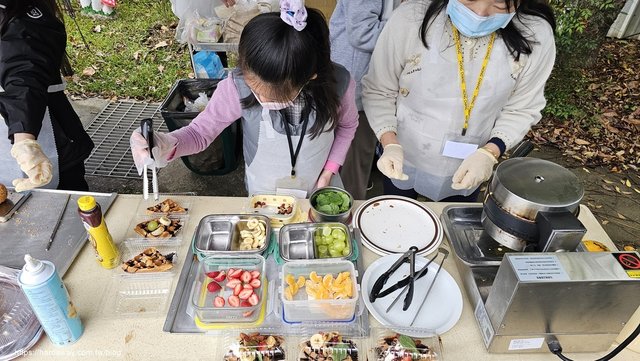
(617, 189)
(621, 216)
(161, 68)
(586, 170)
(607, 181)
(626, 193)
(628, 183)
(136, 55)
(97, 28)
(89, 71)
(607, 187)
(605, 222)
(637, 190)
(161, 44)
(581, 141)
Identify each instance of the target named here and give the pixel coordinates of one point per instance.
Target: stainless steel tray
(471, 244)
(29, 229)
(179, 321)
(220, 234)
(297, 240)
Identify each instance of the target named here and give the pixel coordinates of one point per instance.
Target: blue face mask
(473, 25)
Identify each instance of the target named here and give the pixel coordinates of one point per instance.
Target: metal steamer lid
(540, 182)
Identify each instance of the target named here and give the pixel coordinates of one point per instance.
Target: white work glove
(474, 170)
(33, 163)
(164, 146)
(390, 163)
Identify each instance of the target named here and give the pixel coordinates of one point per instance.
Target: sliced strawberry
(213, 274)
(255, 274)
(235, 274)
(247, 286)
(262, 346)
(218, 301)
(229, 271)
(246, 276)
(254, 299)
(247, 314)
(245, 303)
(237, 289)
(219, 277)
(234, 301)
(213, 286)
(245, 294)
(255, 283)
(233, 283)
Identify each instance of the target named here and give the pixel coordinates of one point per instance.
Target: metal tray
(471, 244)
(29, 229)
(180, 321)
(220, 234)
(297, 241)
(12, 204)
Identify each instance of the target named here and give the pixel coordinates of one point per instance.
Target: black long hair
(288, 59)
(512, 36)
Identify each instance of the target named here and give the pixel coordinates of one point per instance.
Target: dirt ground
(615, 205)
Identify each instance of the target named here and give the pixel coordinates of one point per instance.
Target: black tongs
(146, 128)
(376, 290)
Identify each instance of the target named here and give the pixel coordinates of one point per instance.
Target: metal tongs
(146, 127)
(376, 290)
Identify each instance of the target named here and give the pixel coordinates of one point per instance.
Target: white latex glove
(390, 163)
(164, 145)
(33, 163)
(474, 170)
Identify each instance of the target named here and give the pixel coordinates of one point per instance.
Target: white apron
(272, 160)
(8, 166)
(429, 110)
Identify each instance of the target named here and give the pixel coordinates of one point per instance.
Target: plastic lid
(32, 265)
(86, 203)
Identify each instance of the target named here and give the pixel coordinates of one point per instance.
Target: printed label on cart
(630, 263)
(525, 343)
(484, 323)
(539, 268)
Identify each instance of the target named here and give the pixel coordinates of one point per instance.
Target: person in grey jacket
(355, 26)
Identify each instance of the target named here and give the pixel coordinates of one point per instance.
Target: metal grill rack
(110, 131)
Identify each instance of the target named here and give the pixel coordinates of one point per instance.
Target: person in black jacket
(46, 140)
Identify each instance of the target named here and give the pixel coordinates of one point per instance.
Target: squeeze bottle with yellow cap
(93, 221)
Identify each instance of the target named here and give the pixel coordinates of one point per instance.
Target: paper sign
(458, 150)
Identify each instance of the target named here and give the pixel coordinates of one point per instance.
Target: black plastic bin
(223, 155)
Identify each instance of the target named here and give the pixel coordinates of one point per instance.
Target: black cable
(556, 349)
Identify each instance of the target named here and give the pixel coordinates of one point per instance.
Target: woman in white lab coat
(451, 85)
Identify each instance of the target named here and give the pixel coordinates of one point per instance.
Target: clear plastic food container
(315, 241)
(329, 345)
(266, 345)
(229, 289)
(398, 344)
(280, 209)
(128, 296)
(171, 204)
(157, 227)
(132, 252)
(319, 290)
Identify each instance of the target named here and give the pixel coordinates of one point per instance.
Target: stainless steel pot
(519, 190)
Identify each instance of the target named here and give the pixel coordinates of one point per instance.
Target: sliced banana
(164, 221)
(316, 341)
(254, 236)
(252, 223)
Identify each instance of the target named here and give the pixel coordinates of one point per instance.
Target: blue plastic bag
(207, 64)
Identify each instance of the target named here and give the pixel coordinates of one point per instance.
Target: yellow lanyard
(468, 106)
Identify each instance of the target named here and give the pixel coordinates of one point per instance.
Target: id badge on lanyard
(293, 185)
(455, 145)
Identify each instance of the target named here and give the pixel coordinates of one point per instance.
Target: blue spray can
(50, 301)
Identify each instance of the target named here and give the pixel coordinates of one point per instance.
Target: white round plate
(440, 312)
(392, 224)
